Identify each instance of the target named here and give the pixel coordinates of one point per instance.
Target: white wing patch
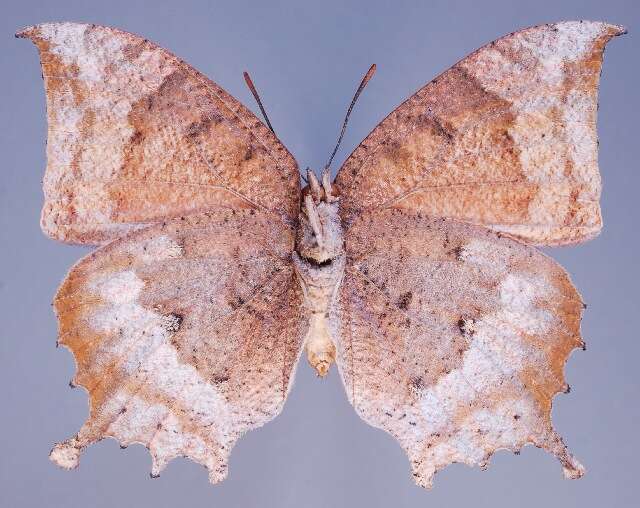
(143, 343)
(454, 339)
(496, 354)
(74, 44)
(185, 335)
(535, 136)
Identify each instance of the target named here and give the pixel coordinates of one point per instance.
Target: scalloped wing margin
(185, 335)
(454, 339)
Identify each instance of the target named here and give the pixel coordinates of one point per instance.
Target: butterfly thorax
(319, 261)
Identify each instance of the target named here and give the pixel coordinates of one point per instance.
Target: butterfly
(414, 270)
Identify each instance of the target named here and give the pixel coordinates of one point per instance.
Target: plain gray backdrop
(306, 59)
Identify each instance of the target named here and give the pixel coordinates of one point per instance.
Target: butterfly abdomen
(319, 261)
(319, 285)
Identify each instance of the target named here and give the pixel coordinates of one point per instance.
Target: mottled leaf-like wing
(506, 138)
(185, 335)
(453, 339)
(137, 135)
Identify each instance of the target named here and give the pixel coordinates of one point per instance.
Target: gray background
(306, 60)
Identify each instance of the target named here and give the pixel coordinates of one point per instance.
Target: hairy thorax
(319, 261)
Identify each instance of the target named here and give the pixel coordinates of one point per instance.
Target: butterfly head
(319, 238)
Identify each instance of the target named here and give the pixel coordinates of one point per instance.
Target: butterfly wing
(453, 338)
(137, 135)
(506, 138)
(185, 335)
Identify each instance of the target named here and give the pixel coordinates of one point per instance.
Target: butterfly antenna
(247, 79)
(363, 83)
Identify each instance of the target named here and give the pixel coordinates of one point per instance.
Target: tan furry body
(414, 270)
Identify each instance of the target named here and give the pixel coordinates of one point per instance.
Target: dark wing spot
(236, 302)
(195, 129)
(466, 326)
(136, 138)
(417, 382)
(405, 300)
(457, 252)
(173, 322)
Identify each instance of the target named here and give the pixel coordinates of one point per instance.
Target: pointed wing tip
(620, 29)
(614, 30)
(44, 29)
(215, 476)
(553, 443)
(573, 473)
(426, 482)
(26, 32)
(612, 27)
(423, 476)
(65, 455)
(572, 469)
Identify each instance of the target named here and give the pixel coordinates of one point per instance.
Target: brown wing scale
(185, 335)
(506, 138)
(137, 135)
(454, 339)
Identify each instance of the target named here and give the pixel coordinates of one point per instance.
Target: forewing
(506, 138)
(137, 135)
(453, 339)
(185, 334)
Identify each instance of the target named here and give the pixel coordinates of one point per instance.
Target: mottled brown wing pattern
(185, 334)
(137, 135)
(187, 327)
(506, 138)
(453, 339)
